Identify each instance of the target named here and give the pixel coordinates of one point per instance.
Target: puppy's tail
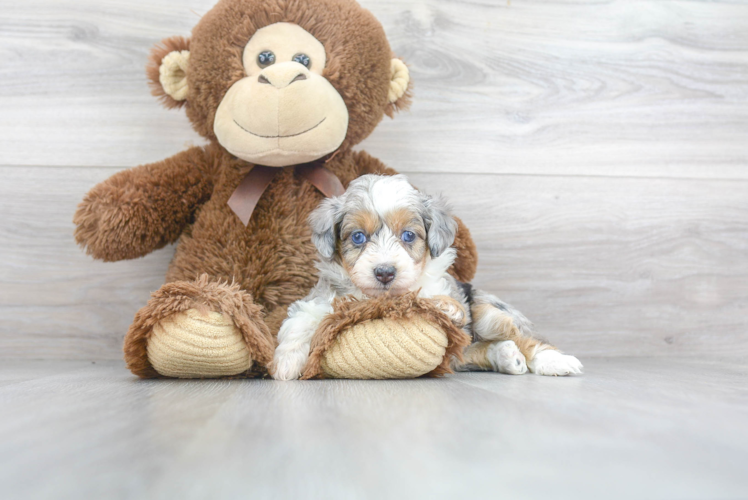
(494, 320)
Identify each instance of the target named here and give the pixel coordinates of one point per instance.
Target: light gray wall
(597, 150)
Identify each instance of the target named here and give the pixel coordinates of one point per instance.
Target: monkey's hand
(142, 209)
(467, 254)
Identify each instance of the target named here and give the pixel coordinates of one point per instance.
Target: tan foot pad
(191, 344)
(385, 338)
(386, 348)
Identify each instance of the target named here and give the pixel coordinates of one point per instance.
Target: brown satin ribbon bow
(246, 195)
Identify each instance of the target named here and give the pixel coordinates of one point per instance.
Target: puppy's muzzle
(385, 273)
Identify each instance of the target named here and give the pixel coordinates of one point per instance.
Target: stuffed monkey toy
(282, 90)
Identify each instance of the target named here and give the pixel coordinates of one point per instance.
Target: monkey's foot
(191, 344)
(198, 329)
(385, 338)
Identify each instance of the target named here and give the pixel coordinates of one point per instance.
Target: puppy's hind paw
(505, 357)
(553, 363)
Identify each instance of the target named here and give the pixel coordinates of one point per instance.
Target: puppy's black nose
(385, 273)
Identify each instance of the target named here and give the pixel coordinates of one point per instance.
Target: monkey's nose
(385, 273)
(282, 75)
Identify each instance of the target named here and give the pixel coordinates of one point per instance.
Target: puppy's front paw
(550, 362)
(288, 363)
(506, 358)
(451, 308)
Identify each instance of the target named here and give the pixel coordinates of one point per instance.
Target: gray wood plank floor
(629, 428)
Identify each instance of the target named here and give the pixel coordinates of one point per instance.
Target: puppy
(384, 236)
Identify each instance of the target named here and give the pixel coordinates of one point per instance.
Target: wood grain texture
(622, 88)
(629, 428)
(604, 266)
(596, 149)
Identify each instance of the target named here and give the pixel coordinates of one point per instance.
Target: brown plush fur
(184, 198)
(205, 296)
(140, 210)
(467, 254)
(358, 56)
(401, 104)
(348, 312)
(161, 50)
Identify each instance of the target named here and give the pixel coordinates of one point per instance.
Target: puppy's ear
(441, 227)
(324, 222)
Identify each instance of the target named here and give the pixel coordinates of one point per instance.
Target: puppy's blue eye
(358, 238)
(408, 236)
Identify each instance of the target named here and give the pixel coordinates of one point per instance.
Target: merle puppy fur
(384, 236)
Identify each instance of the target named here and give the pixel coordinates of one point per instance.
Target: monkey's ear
(398, 96)
(167, 71)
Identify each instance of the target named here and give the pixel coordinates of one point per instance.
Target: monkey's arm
(144, 208)
(467, 254)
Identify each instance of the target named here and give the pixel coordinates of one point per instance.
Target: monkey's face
(281, 83)
(284, 112)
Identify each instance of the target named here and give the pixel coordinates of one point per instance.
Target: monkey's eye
(358, 238)
(302, 59)
(265, 58)
(408, 236)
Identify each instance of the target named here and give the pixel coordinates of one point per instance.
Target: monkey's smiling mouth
(279, 136)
